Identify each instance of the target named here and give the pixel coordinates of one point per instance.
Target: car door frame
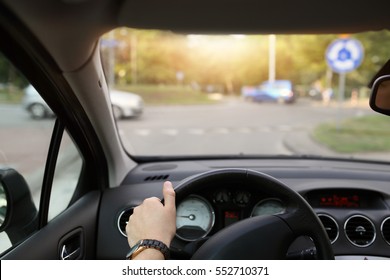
(24, 50)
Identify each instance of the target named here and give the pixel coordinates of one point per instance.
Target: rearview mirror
(380, 95)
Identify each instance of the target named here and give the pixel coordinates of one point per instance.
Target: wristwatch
(144, 244)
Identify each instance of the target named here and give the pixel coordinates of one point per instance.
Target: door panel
(46, 244)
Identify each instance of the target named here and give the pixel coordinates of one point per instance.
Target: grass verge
(362, 134)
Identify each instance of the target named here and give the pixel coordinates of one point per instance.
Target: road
(227, 128)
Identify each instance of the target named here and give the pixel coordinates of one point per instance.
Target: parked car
(124, 104)
(35, 104)
(250, 183)
(270, 91)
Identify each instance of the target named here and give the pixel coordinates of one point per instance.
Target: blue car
(276, 91)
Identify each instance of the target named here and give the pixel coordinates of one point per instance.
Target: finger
(169, 194)
(151, 199)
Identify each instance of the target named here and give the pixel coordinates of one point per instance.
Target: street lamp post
(272, 58)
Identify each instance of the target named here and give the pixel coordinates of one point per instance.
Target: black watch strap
(150, 243)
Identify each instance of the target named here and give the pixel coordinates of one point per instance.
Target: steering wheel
(261, 237)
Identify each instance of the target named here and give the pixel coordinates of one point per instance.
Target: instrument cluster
(199, 215)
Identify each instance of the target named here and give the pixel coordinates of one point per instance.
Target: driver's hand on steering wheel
(153, 220)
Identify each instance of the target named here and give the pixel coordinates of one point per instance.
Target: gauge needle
(191, 217)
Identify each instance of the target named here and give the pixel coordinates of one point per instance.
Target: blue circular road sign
(344, 55)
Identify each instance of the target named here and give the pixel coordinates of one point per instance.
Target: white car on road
(124, 104)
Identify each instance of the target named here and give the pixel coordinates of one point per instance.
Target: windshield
(246, 95)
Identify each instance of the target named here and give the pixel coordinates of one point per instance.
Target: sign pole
(342, 78)
(343, 55)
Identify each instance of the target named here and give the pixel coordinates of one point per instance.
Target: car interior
(298, 205)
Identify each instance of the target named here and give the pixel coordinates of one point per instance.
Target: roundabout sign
(344, 55)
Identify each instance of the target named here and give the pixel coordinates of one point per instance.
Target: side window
(26, 127)
(66, 176)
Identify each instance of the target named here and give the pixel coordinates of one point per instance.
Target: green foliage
(11, 82)
(155, 57)
(9, 75)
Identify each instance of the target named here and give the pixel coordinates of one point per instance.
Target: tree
(234, 61)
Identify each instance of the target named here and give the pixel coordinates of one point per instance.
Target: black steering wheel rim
(263, 237)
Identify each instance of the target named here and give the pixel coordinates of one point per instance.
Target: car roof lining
(211, 16)
(93, 18)
(256, 16)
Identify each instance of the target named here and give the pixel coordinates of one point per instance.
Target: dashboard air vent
(122, 220)
(360, 231)
(330, 226)
(385, 228)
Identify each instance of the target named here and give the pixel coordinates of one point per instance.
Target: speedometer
(194, 218)
(270, 206)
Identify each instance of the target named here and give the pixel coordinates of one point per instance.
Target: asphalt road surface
(227, 128)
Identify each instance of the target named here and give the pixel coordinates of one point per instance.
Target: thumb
(169, 194)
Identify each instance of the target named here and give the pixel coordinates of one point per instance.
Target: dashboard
(201, 214)
(351, 199)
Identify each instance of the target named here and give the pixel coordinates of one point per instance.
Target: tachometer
(270, 206)
(194, 218)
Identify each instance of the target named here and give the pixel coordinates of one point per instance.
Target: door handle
(71, 246)
(69, 253)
